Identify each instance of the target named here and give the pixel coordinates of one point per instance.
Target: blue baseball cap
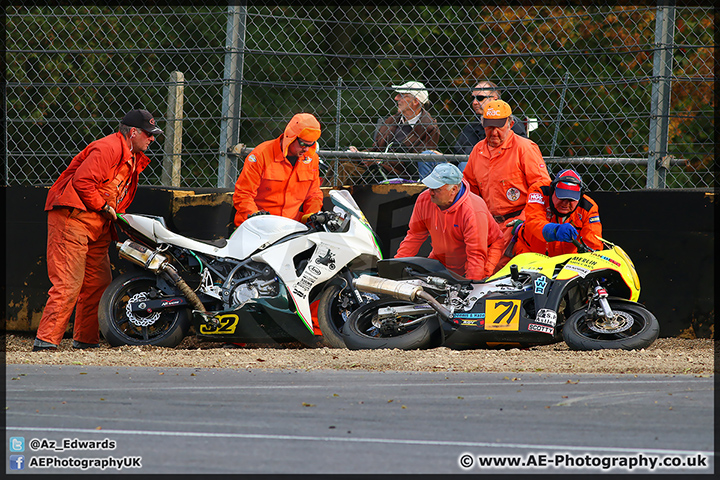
(443, 174)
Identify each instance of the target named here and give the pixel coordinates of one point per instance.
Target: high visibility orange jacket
(79, 236)
(585, 218)
(461, 235)
(88, 182)
(503, 175)
(269, 182)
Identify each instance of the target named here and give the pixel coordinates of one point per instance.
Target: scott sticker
(533, 327)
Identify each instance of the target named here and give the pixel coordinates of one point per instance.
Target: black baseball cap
(141, 119)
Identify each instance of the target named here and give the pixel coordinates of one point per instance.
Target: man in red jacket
(462, 231)
(556, 213)
(282, 176)
(82, 204)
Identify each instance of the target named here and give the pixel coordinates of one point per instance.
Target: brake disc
(620, 323)
(138, 320)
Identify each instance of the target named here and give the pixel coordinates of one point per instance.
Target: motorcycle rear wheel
(360, 333)
(641, 334)
(167, 330)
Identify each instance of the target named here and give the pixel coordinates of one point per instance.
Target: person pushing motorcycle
(282, 176)
(556, 213)
(462, 231)
(99, 183)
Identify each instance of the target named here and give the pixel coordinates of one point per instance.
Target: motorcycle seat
(395, 268)
(216, 242)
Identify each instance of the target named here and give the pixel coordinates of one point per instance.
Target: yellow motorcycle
(588, 299)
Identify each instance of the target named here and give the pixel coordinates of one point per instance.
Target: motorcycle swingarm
(149, 306)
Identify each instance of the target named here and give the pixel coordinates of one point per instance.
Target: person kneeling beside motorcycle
(556, 213)
(462, 230)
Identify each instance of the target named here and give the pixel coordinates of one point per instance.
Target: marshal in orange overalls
(269, 182)
(79, 235)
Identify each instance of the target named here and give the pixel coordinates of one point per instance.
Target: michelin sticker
(579, 270)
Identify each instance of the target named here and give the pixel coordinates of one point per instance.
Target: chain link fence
(624, 94)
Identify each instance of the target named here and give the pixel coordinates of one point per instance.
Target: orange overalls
(585, 218)
(79, 236)
(268, 181)
(502, 177)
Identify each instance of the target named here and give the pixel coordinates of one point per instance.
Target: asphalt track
(185, 420)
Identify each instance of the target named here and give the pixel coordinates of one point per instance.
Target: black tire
(359, 333)
(167, 330)
(334, 309)
(641, 334)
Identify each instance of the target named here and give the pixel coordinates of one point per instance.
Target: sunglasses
(480, 98)
(303, 143)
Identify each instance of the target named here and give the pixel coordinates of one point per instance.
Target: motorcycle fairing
(264, 320)
(252, 234)
(573, 265)
(331, 253)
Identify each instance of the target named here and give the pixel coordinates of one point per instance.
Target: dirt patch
(665, 356)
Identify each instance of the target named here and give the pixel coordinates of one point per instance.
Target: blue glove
(559, 232)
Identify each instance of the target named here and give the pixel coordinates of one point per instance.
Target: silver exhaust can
(385, 286)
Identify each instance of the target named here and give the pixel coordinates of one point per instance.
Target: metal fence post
(561, 107)
(337, 132)
(660, 96)
(232, 95)
(172, 160)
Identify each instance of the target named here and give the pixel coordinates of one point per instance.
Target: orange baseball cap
(496, 113)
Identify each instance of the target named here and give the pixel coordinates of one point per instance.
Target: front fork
(600, 297)
(348, 276)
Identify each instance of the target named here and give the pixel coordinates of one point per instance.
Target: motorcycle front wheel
(334, 308)
(634, 328)
(361, 331)
(119, 326)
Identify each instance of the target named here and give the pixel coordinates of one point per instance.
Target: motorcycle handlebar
(580, 245)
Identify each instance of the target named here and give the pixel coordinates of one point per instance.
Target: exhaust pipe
(385, 286)
(399, 290)
(155, 262)
(141, 255)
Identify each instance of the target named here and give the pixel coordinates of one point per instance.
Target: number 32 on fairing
(227, 325)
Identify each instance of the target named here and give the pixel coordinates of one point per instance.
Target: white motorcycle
(258, 285)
